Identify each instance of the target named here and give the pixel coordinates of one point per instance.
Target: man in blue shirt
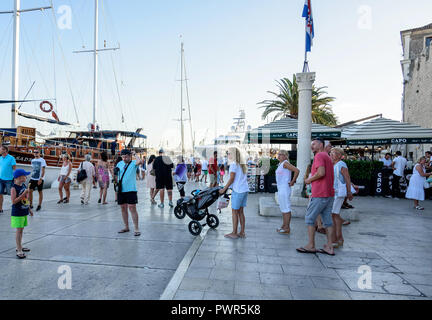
(7, 167)
(127, 190)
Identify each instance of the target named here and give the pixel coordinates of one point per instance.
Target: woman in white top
(64, 179)
(240, 187)
(342, 187)
(416, 184)
(284, 184)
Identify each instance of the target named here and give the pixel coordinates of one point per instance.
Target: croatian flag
(307, 13)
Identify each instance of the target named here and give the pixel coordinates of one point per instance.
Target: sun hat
(20, 172)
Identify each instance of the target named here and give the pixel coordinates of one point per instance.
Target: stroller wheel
(212, 221)
(179, 213)
(195, 227)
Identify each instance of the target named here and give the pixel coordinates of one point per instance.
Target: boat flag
(307, 14)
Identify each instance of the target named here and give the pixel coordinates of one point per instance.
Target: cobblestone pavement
(391, 238)
(104, 264)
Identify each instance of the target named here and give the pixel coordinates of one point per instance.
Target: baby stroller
(196, 207)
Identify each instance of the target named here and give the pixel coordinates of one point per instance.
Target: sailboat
(184, 87)
(22, 141)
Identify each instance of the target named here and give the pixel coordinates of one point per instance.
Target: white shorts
(284, 200)
(337, 204)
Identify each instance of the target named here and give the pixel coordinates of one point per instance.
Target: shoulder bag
(82, 174)
(119, 186)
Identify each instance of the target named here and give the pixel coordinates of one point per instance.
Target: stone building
(417, 80)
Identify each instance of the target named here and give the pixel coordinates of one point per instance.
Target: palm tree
(286, 103)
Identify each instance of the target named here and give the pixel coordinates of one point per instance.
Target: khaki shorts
(213, 178)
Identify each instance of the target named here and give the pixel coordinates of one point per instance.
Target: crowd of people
(327, 184)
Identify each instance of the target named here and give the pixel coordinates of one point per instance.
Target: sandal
(124, 231)
(60, 201)
(21, 256)
(66, 201)
(241, 235)
(419, 208)
(137, 234)
(325, 252)
(304, 250)
(23, 250)
(321, 230)
(282, 231)
(231, 236)
(346, 222)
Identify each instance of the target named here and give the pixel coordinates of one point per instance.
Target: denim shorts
(320, 206)
(238, 200)
(5, 186)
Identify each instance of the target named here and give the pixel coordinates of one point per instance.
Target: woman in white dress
(151, 178)
(416, 184)
(284, 184)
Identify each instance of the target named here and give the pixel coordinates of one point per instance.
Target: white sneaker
(171, 204)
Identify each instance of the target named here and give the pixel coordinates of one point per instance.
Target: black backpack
(82, 174)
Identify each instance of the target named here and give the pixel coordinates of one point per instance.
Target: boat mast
(95, 54)
(181, 102)
(15, 55)
(15, 61)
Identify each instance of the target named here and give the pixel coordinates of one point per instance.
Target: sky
(234, 50)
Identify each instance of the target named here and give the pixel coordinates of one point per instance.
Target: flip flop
(124, 231)
(137, 234)
(21, 256)
(325, 252)
(282, 231)
(303, 250)
(345, 223)
(231, 236)
(24, 250)
(321, 230)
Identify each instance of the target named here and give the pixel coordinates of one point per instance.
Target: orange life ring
(41, 106)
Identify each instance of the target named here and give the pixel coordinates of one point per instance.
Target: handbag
(119, 186)
(82, 174)
(426, 185)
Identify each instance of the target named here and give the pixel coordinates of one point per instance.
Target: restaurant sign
(390, 141)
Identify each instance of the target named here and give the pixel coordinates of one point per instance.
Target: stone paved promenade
(104, 264)
(390, 237)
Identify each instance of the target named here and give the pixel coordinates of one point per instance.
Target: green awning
(382, 131)
(284, 131)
